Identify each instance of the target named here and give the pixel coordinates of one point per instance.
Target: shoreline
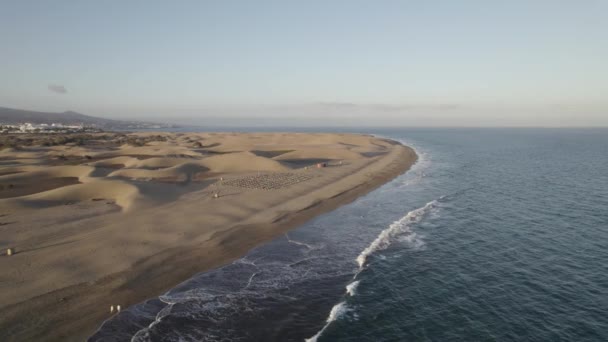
(75, 312)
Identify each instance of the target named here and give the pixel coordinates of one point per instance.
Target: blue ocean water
(494, 235)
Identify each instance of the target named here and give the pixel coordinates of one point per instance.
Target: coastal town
(53, 128)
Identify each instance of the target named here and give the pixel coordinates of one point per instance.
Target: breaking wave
(399, 227)
(336, 312)
(396, 230)
(351, 288)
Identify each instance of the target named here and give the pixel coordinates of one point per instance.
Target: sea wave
(336, 312)
(144, 334)
(418, 172)
(398, 228)
(351, 288)
(395, 230)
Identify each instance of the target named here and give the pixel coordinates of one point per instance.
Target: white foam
(395, 230)
(399, 227)
(144, 334)
(250, 279)
(245, 261)
(298, 242)
(336, 312)
(351, 288)
(418, 171)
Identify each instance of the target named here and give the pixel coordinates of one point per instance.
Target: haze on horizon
(405, 63)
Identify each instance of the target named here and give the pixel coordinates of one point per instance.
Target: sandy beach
(114, 219)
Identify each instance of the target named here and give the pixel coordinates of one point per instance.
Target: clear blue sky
(528, 62)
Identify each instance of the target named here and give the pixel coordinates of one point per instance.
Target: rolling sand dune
(320, 152)
(32, 173)
(120, 218)
(155, 163)
(122, 193)
(151, 151)
(241, 162)
(124, 161)
(184, 172)
(12, 154)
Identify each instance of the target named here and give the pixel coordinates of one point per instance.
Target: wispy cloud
(57, 88)
(386, 107)
(373, 106)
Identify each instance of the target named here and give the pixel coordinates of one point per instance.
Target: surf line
(337, 311)
(384, 239)
(401, 226)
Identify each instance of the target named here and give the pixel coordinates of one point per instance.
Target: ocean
(494, 235)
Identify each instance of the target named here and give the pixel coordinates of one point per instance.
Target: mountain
(12, 116)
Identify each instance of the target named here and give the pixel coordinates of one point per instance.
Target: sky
(397, 63)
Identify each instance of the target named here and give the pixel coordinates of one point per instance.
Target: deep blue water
(494, 235)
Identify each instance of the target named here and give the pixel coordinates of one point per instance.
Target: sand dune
(39, 173)
(114, 161)
(156, 163)
(123, 193)
(182, 172)
(317, 152)
(158, 151)
(11, 153)
(80, 173)
(241, 162)
(125, 217)
(135, 163)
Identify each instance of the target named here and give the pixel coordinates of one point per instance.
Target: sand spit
(120, 218)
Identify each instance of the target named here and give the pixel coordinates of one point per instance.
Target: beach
(114, 220)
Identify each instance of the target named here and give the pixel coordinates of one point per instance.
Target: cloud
(387, 107)
(57, 88)
(369, 106)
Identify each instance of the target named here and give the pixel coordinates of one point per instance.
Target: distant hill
(16, 116)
